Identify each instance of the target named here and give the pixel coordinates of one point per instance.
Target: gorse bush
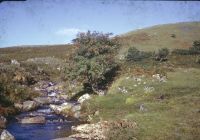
(136, 55)
(161, 55)
(194, 50)
(93, 59)
(14, 85)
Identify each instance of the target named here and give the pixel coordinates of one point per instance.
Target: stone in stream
(84, 98)
(5, 135)
(33, 120)
(18, 106)
(29, 105)
(67, 109)
(43, 100)
(3, 122)
(52, 94)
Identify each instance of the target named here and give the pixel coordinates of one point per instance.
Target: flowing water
(56, 126)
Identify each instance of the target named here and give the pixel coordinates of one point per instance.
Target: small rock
(15, 62)
(96, 113)
(18, 106)
(84, 98)
(5, 135)
(33, 120)
(77, 114)
(29, 105)
(52, 94)
(76, 108)
(42, 100)
(142, 108)
(59, 127)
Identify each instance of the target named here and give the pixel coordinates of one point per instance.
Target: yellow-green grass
(25, 52)
(175, 116)
(160, 36)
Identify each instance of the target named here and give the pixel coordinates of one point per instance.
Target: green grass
(26, 52)
(176, 117)
(156, 37)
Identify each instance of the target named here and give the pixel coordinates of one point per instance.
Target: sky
(42, 22)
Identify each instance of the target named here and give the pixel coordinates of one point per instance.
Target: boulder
(18, 106)
(43, 100)
(30, 105)
(60, 108)
(3, 122)
(99, 131)
(84, 98)
(5, 135)
(33, 120)
(67, 109)
(15, 62)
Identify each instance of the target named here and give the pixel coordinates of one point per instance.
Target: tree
(93, 59)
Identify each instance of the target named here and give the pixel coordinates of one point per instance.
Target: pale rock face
(67, 109)
(84, 98)
(159, 77)
(29, 105)
(76, 108)
(18, 106)
(42, 100)
(98, 130)
(15, 62)
(5, 135)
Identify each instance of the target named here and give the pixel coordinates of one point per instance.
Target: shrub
(194, 50)
(161, 55)
(93, 60)
(198, 60)
(136, 55)
(181, 52)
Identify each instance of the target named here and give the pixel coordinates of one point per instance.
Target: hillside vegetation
(149, 76)
(180, 35)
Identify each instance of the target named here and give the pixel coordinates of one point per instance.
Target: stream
(56, 126)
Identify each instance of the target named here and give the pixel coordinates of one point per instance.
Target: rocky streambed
(46, 117)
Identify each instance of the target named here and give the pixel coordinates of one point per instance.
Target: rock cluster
(67, 109)
(99, 131)
(84, 98)
(159, 77)
(26, 105)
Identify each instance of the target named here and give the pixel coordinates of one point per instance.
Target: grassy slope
(176, 117)
(159, 36)
(23, 53)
